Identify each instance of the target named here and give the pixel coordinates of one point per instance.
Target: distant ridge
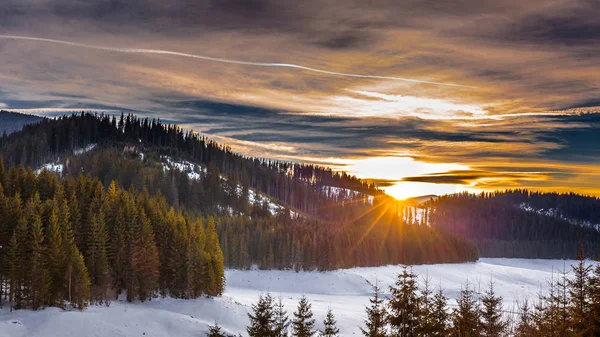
(421, 199)
(14, 121)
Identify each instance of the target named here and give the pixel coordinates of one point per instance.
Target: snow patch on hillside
(194, 172)
(556, 213)
(81, 150)
(345, 291)
(336, 192)
(50, 167)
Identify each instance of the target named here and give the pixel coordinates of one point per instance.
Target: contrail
(224, 60)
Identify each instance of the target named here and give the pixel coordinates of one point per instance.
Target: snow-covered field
(345, 291)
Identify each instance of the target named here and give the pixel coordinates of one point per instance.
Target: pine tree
(196, 258)
(97, 261)
(145, 260)
(262, 318)
(594, 323)
(492, 322)
(440, 317)
(375, 324)
(215, 262)
(79, 281)
(404, 304)
(580, 295)
(282, 321)
(330, 328)
(466, 317)
(561, 300)
(426, 311)
(303, 325)
(215, 331)
(14, 261)
(525, 325)
(39, 278)
(20, 265)
(55, 259)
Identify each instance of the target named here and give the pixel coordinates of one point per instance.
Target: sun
(407, 189)
(390, 170)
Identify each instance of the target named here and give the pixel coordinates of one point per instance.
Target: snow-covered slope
(345, 291)
(556, 213)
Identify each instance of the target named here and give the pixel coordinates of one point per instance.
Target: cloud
(532, 71)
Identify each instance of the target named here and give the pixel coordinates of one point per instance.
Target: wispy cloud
(269, 78)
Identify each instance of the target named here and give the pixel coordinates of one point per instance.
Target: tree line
(345, 229)
(501, 226)
(300, 186)
(569, 308)
(74, 241)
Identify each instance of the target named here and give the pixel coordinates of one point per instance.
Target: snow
(556, 213)
(334, 191)
(50, 167)
(183, 166)
(346, 292)
(85, 149)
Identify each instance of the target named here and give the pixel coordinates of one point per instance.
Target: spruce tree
(20, 264)
(404, 304)
(39, 278)
(525, 326)
(594, 323)
(79, 281)
(262, 318)
(440, 314)
(145, 260)
(330, 328)
(196, 263)
(282, 321)
(426, 311)
(580, 294)
(215, 262)
(492, 322)
(376, 322)
(14, 262)
(55, 259)
(97, 261)
(466, 316)
(215, 331)
(303, 324)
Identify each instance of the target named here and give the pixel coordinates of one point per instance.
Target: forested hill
(520, 223)
(303, 187)
(12, 121)
(267, 214)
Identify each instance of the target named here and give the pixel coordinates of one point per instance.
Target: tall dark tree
(404, 304)
(282, 322)
(466, 316)
(303, 323)
(376, 322)
(580, 294)
(492, 321)
(262, 318)
(330, 326)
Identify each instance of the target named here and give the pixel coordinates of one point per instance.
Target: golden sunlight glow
(391, 170)
(407, 189)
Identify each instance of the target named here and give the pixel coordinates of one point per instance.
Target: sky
(421, 97)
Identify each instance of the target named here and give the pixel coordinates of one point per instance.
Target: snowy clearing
(345, 291)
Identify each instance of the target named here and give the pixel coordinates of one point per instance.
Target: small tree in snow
(330, 330)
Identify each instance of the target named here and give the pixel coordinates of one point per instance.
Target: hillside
(268, 214)
(12, 121)
(520, 223)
